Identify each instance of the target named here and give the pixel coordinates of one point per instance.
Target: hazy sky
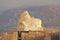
(8, 4)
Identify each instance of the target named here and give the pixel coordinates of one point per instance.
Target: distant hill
(50, 16)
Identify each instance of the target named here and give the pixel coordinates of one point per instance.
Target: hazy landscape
(49, 14)
(29, 19)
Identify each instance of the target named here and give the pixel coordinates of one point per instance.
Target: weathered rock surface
(28, 23)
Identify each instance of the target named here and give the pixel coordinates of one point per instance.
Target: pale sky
(9, 4)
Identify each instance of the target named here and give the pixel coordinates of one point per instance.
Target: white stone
(29, 23)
